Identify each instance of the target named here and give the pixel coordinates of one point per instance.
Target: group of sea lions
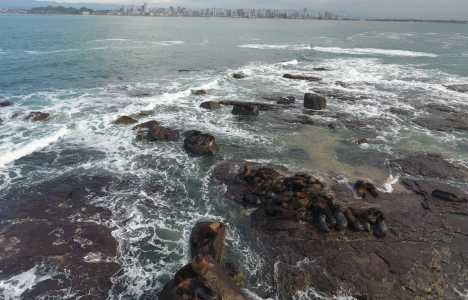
(205, 277)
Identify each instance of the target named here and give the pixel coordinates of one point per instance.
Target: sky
(422, 9)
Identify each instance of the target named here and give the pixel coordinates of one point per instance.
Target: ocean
(379, 77)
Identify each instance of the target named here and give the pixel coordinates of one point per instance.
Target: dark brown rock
(207, 239)
(125, 120)
(301, 77)
(199, 144)
(314, 101)
(37, 116)
(321, 69)
(210, 105)
(245, 109)
(152, 131)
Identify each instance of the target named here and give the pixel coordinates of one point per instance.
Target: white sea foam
(293, 47)
(373, 51)
(9, 156)
(389, 183)
(13, 287)
(111, 40)
(168, 43)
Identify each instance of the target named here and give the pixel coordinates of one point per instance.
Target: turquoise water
(86, 71)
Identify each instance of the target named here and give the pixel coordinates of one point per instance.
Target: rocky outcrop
(37, 116)
(204, 277)
(301, 77)
(210, 105)
(200, 144)
(199, 92)
(429, 165)
(418, 251)
(314, 101)
(5, 103)
(245, 109)
(153, 131)
(125, 120)
(462, 88)
(282, 100)
(300, 197)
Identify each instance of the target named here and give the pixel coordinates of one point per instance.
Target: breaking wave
(293, 47)
(370, 51)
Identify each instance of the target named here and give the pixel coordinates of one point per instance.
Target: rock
(210, 105)
(52, 225)
(207, 239)
(288, 100)
(314, 101)
(199, 92)
(125, 120)
(37, 116)
(197, 143)
(429, 165)
(216, 278)
(301, 77)
(434, 192)
(261, 106)
(321, 69)
(363, 188)
(462, 88)
(360, 141)
(342, 84)
(245, 109)
(187, 70)
(239, 75)
(5, 103)
(152, 131)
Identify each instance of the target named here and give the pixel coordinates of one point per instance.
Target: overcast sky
(443, 9)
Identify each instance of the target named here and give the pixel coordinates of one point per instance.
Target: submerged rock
(301, 77)
(125, 120)
(152, 131)
(199, 92)
(314, 101)
(462, 88)
(321, 69)
(37, 116)
(239, 75)
(198, 143)
(210, 105)
(139, 93)
(5, 103)
(245, 109)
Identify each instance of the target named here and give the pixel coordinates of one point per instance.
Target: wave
(29, 148)
(368, 51)
(15, 286)
(110, 40)
(32, 52)
(168, 43)
(293, 47)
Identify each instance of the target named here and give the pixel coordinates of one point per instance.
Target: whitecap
(31, 147)
(111, 40)
(168, 43)
(294, 47)
(15, 286)
(370, 51)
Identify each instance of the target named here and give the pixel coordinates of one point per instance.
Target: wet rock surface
(210, 105)
(429, 165)
(51, 231)
(205, 277)
(415, 253)
(245, 109)
(200, 144)
(37, 116)
(199, 92)
(301, 77)
(314, 101)
(239, 75)
(443, 118)
(153, 131)
(125, 120)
